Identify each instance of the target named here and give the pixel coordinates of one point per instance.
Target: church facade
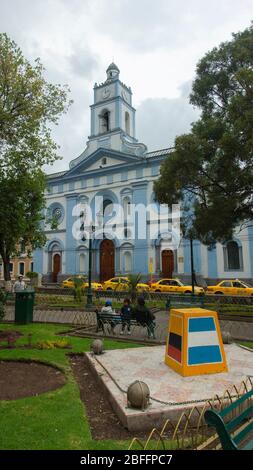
(107, 194)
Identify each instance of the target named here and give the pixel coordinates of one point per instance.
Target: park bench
(113, 320)
(234, 424)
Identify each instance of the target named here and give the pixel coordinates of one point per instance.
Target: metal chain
(190, 402)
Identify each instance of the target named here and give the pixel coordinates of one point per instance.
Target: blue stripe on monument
(201, 324)
(203, 355)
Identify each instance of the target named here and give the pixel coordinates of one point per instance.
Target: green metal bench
(113, 320)
(236, 432)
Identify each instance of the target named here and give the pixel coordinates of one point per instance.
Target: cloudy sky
(155, 43)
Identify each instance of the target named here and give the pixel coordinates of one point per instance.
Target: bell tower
(112, 111)
(112, 118)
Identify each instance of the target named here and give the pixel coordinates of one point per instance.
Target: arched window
(82, 263)
(104, 121)
(233, 256)
(22, 269)
(127, 122)
(126, 207)
(107, 207)
(128, 262)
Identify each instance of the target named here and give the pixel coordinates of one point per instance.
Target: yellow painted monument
(194, 343)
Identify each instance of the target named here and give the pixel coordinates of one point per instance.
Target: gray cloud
(146, 25)
(156, 44)
(84, 63)
(160, 120)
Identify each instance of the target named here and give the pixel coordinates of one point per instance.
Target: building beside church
(116, 169)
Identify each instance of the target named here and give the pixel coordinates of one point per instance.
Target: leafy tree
(78, 288)
(134, 280)
(29, 107)
(213, 165)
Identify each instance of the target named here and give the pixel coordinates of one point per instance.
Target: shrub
(52, 344)
(78, 290)
(32, 275)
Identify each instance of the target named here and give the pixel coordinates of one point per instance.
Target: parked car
(122, 284)
(69, 283)
(175, 286)
(231, 287)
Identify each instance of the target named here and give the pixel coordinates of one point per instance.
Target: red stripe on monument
(174, 353)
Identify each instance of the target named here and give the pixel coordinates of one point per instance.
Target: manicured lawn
(54, 420)
(249, 344)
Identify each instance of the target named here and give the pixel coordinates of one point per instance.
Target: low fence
(191, 430)
(163, 296)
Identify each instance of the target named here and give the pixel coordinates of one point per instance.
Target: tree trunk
(7, 275)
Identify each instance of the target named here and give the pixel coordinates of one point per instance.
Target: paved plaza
(117, 369)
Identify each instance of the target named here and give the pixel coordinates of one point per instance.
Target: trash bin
(24, 302)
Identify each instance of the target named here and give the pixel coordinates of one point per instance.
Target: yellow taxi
(231, 287)
(175, 286)
(122, 284)
(69, 283)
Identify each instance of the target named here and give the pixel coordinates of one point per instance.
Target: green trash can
(24, 302)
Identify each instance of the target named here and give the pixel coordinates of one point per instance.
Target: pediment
(102, 159)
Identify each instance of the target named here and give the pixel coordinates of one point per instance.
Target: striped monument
(194, 344)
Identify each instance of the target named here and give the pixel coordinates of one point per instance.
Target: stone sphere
(97, 346)
(226, 337)
(138, 395)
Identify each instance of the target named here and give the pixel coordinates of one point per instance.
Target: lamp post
(192, 265)
(92, 230)
(89, 292)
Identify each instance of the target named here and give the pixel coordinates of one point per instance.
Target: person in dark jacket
(144, 317)
(126, 312)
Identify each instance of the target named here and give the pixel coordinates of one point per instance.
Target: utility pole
(192, 266)
(89, 292)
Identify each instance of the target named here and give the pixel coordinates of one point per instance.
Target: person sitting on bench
(108, 310)
(144, 317)
(126, 312)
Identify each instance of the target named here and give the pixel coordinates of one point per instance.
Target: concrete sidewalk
(238, 330)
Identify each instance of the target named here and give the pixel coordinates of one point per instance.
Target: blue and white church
(116, 169)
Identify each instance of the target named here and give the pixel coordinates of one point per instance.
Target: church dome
(112, 72)
(113, 66)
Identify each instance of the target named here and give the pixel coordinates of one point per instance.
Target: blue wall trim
(155, 170)
(124, 176)
(139, 173)
(196, 256)
(109, 179)
(250, 234)
(212, 262)
(92, 122)
(70, 241)
(38, 260)
(140, 257)
(96, 181)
